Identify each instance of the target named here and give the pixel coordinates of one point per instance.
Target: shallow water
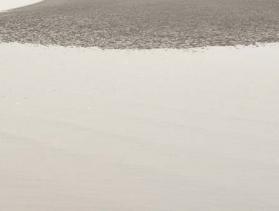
(86, 129)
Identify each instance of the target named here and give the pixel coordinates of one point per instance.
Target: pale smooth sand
(11, 4)
(85, 129)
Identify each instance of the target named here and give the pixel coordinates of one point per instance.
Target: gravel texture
(143, 24)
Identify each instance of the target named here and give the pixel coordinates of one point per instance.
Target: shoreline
(10, 5)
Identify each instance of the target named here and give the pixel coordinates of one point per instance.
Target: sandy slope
(85, 129)
(143, 24)
(11, 4)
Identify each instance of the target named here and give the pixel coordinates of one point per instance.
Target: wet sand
(143, 24)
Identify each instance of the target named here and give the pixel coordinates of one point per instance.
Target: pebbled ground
(143, 24)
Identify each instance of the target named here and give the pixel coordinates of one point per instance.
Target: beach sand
(143, 24)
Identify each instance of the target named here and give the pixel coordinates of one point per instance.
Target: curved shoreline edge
(7, 6)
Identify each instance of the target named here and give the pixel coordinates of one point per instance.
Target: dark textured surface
(143, 23)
